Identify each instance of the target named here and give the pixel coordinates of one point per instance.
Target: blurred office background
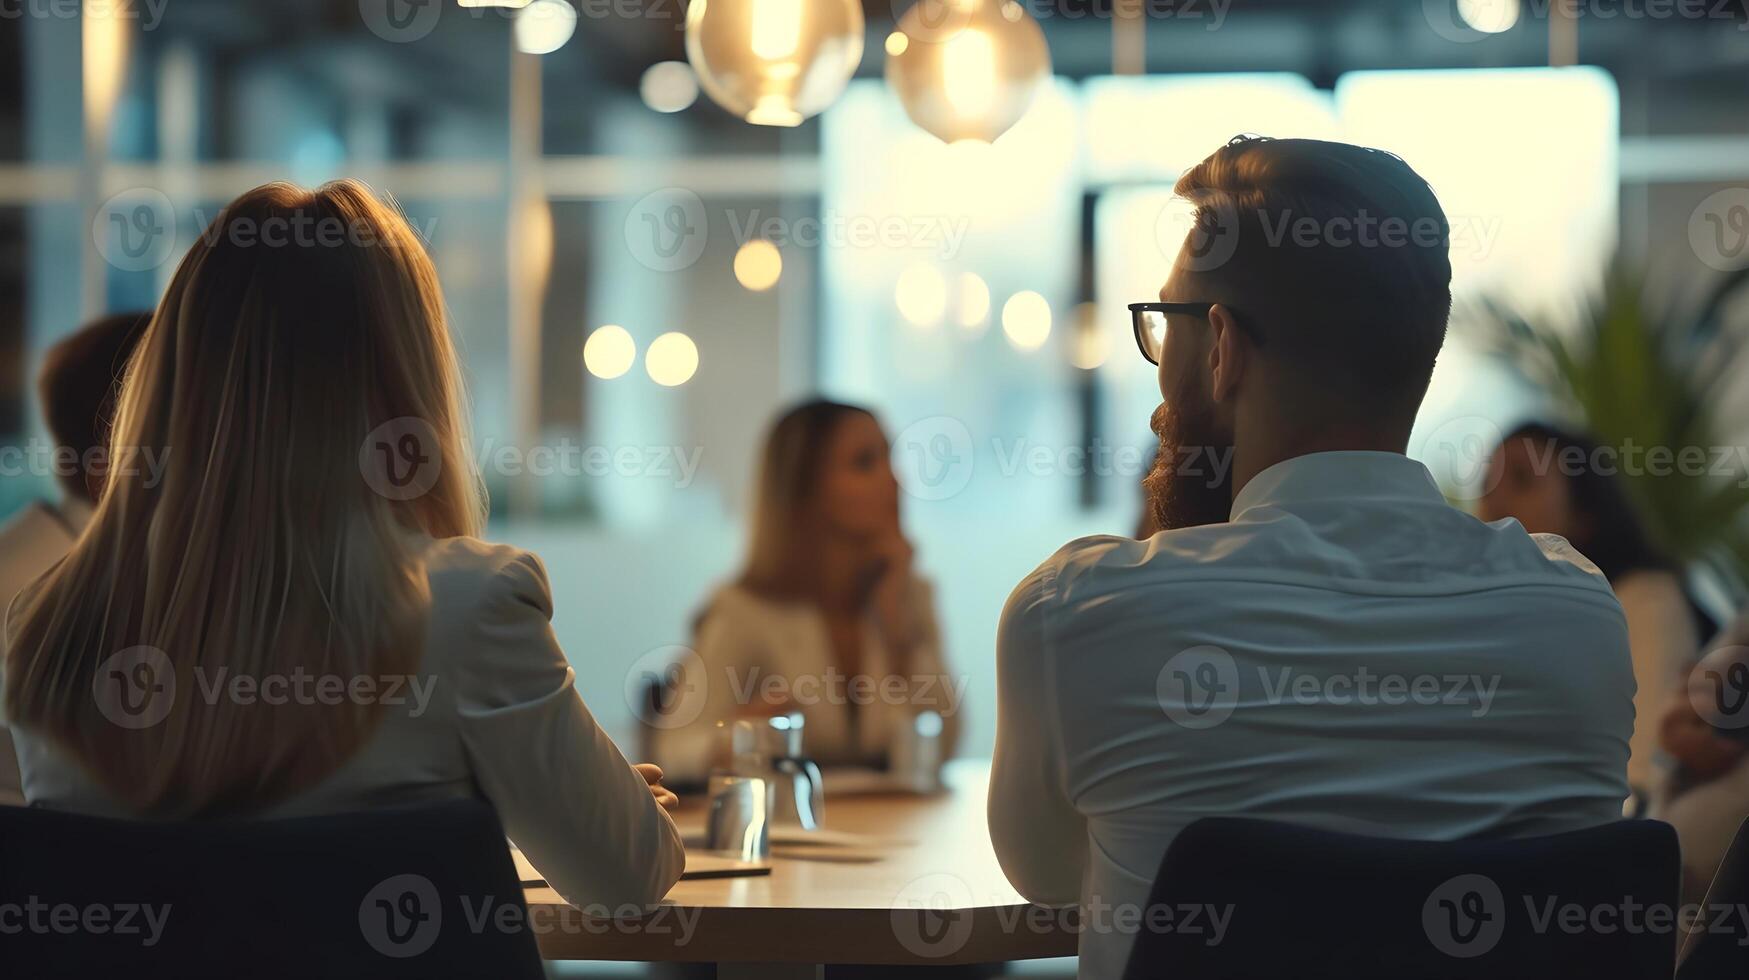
(640, 279)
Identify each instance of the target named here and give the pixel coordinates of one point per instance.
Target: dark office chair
(410, 892)
(1305, 903)
(1718, 949)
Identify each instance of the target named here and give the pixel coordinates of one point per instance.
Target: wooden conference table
(930, 893)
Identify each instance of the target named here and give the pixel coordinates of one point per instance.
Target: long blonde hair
(300, 326)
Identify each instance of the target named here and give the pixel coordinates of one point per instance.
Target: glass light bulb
(774, 62)
(966, 69)
(544, 26)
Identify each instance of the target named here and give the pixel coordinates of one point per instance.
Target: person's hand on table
(1701, 750)
(652, 774)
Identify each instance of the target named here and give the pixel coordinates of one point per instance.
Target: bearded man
(1315, 635)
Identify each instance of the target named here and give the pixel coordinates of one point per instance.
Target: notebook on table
(699, 864)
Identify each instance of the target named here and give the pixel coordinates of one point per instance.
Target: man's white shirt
(1349, 652)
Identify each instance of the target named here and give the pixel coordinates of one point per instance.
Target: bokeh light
(1091, 343)
(669, 86)
(758, 264)
(1026, 319)
(973, 310)
(544, 26)
(609, 352)
(1488, 16)
(921, 295)
(672, 359)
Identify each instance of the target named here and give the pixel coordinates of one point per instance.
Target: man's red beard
(1186, 487)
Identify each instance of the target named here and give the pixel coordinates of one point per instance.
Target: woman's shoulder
(490, 614)
(477, 585)
(461, 567)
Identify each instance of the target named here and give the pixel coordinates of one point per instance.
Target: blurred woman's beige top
(758, 656)
(493, 713)
(1661, 636)
(30, 544)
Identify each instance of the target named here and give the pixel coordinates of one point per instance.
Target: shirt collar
(1338, 476)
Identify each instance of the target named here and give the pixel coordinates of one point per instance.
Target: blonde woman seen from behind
(294, 614)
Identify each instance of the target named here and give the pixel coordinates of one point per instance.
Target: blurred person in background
(1552, 482)
(76, 388)
(314, 529)
(1706, 797)
(828, 617)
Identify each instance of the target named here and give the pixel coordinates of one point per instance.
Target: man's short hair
(1337, 255)
(78, 384)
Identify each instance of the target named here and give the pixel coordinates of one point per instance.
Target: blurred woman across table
(1558, 482)
(827, 618)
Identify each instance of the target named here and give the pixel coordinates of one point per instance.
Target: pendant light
(774, 62)
(966, 69)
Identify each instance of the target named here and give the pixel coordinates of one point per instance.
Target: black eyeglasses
(1149, 322)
